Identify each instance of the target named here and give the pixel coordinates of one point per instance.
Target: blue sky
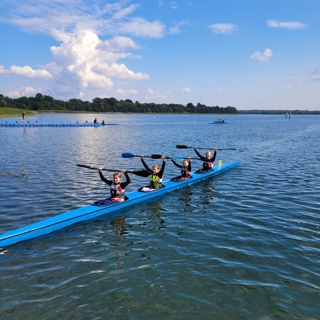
(249, 54)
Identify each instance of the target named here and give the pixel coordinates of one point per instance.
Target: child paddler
(208, 160)
(117, 188)
(156, 174)
(185, 169)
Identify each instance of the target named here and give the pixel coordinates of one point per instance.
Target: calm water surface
(243, 245)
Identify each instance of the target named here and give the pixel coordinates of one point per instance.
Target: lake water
(243, 245)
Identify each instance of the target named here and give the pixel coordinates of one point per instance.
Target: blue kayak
(89, 212)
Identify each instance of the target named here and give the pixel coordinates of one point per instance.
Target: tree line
(293, 112)
(44, 102)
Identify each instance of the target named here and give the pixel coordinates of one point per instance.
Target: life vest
(207, 165)
(155, 182)
(117, 193)
(185, 172)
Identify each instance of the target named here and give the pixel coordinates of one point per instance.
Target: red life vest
(117, 193)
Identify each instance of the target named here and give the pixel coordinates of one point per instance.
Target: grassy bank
(13, 112)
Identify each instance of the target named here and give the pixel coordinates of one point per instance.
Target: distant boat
(218, 121)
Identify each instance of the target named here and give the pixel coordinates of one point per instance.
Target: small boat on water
(90, 212)
(218, 121)
(52, 124)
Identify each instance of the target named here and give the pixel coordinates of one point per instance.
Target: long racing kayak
(69, 218)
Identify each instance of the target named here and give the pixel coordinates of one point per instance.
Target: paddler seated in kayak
(156, 174)
(208, 160)
(117, 188)
(185, 169)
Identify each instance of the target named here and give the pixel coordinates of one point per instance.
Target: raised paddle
(141, 173)
(184, 157)
(131, 155)
(183, 146)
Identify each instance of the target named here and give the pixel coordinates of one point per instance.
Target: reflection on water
(119, 225)
(244, 245)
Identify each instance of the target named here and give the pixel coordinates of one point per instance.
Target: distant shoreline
(13, 112)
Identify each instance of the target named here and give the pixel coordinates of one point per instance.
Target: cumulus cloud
(262, 56)
(286, 24)
(28, 72)
(223, 28)
(94, 39)
(118, 43)
(186, 90)
(91, 61)
(24, 91)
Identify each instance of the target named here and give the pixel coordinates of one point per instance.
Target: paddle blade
(128, 155)
(140, 173)
(156, 156)
(182, 146)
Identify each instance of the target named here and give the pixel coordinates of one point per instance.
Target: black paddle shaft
(183, 146)
(142, 173)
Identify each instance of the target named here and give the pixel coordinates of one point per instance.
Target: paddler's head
(117, 177)
(155, 169)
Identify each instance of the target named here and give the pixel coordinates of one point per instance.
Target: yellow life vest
(155, 182)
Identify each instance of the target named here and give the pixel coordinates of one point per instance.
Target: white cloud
(121, 71)
(174, 5)
(286, 24)
(3, 70)
(24, 91)
(92, 62)
(186, 90)
(91, 41)
(123, 92)
(120, 43)
(28, 72)
(262, 56)
(223, 28)
(155, 96)
(177, 26)
(141, 27)
(122, 13)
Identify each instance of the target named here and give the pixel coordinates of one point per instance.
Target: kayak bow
(66, 219)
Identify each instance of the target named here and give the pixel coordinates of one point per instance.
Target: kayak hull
(89, 212)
